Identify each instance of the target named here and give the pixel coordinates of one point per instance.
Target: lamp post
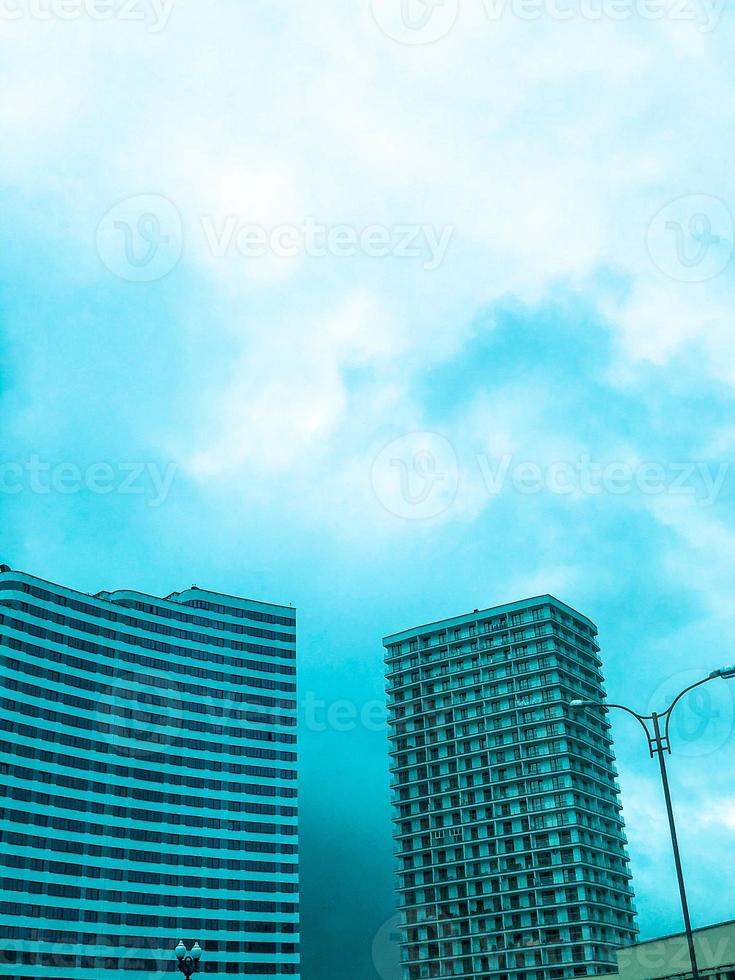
(188, 960)
(659, 744)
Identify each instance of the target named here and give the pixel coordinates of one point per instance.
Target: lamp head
(196, 951)
(579, 704)
(726, 673)
(180, 950)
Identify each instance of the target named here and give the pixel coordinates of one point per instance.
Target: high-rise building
(512, 860)
(148, 793)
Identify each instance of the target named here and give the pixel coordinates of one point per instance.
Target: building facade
(511, 852)
(148, 758)
(667, 958)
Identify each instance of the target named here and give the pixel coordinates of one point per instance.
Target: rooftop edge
(173, 598)
(491, 610)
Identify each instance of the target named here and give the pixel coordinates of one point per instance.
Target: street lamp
(659, 743)
(188, 961)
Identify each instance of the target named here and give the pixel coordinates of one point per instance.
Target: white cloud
(548, 146)
(287, 396)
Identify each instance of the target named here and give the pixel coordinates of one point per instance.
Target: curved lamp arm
(725, 673)
(641, 719)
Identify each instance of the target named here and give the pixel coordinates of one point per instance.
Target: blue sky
(520, 381)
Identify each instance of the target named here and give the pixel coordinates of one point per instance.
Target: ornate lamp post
(188, 960)
(659, 744)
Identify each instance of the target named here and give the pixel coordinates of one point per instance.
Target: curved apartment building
(512, 859)
(148, 758)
